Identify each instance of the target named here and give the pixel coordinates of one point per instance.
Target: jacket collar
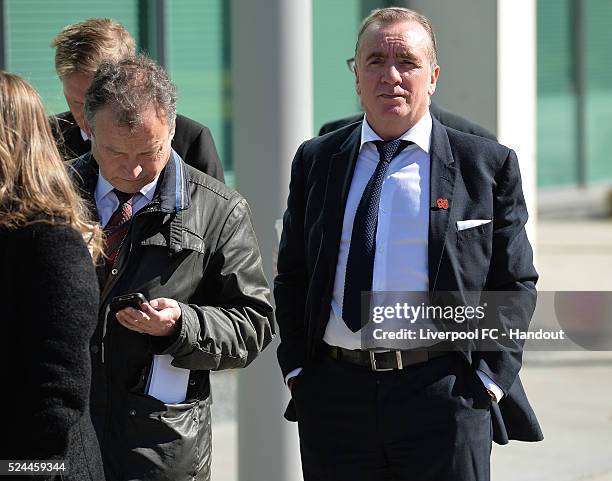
(441, 188)
(442, 183)
(340, 173)
(172, 193)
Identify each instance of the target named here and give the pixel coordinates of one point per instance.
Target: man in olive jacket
(185, 241)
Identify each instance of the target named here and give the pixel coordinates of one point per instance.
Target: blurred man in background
(79, 49)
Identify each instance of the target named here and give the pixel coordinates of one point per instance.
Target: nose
(133, 169)
(391, 75)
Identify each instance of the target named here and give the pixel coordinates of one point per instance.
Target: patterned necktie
(360, 262)
(118, 226)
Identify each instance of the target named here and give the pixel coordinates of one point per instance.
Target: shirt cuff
(293, 373)
(489, 384)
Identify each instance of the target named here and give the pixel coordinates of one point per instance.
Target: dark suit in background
(192, 141)
(445, 117)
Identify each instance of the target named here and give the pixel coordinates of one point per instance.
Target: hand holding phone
(157, 317)
(134, 300)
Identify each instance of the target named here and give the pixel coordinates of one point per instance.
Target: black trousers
(427, 422)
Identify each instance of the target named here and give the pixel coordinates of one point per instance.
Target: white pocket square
(468, 224)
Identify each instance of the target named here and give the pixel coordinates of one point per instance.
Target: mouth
(391, 96)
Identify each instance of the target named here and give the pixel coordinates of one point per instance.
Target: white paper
(166, 382)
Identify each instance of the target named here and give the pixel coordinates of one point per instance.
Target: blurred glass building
(192, 38)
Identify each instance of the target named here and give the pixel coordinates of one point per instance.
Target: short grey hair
(130, 86)
(391, 15)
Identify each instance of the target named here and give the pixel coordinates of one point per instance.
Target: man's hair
(81, 47)
(392, 15)
(130, 86)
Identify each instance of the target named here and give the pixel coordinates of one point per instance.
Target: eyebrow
(150, 150)
(403, 55)
(376, 55)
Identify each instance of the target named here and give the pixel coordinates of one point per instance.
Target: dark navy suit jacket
(480, 179)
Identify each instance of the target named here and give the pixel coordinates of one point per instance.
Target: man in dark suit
(401, 203)
(79, 49)
(445, 117)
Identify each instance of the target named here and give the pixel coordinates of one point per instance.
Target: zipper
(112, 281)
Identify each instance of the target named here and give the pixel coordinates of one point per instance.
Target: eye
(113, 153)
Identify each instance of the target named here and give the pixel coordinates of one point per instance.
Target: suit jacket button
(133, 412)
(94, 349)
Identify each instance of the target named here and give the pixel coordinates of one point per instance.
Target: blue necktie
(360, 262)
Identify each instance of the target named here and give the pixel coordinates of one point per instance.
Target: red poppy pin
(442, 203)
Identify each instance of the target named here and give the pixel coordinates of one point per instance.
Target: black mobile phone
(127, 300)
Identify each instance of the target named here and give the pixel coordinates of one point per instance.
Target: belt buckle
(398, 357)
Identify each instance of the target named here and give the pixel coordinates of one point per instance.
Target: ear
(173, 129)
(433, 81)
(357, 85)
(88, 130)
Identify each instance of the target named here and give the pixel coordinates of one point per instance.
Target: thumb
(161, 303)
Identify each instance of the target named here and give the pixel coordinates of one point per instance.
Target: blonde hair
(35, 185)
(81, 47)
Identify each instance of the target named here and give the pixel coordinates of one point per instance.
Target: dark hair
(130, 86)
(387, 16)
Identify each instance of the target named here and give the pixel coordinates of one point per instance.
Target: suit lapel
(71, 142)
(442, 184)
(339, 176)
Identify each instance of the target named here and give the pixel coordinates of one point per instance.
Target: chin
(397, 114)
(128, 186)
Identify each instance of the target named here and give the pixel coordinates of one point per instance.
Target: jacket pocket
(188, 240)
(167, 441)
(475, 247)
(475, 232)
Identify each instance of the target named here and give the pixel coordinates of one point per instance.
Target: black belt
(383, 361)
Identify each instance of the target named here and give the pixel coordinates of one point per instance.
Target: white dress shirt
(401, 258)
(107, 202)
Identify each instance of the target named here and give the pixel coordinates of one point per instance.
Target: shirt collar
(104, 187)
(420, 133)
(84, 135)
